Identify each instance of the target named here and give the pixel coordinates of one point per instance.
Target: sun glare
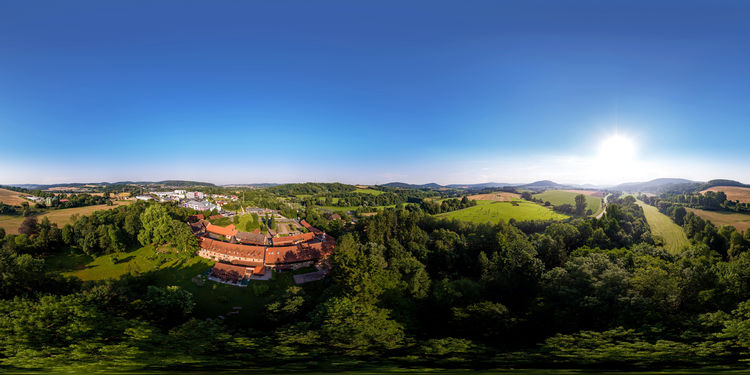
(617, 148)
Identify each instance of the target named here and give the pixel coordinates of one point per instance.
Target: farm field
(493, 212)
(167, 268)
(59, 217)
(500, 196)
(558, 197)
(718, 218)
(368, 191)
(661, 225)
(734, 193)
(11, 197)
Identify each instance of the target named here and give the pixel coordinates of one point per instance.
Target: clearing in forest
(661, 225)
(559, 197)
(368, 191)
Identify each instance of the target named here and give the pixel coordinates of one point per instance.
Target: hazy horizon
(578, 93)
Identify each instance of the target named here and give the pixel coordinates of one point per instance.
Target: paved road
(604, 211)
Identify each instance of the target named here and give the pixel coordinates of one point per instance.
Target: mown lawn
(661, 225)
(558, 197)
(493, 212)
(168, 268)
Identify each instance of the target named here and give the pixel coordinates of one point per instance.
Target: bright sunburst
(618, 149)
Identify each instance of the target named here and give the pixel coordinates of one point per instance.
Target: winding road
(604, 211)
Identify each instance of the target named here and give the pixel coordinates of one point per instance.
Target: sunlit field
(495, 211)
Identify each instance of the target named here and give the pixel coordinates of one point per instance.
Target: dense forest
(405, 289)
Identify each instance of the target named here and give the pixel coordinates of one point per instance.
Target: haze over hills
(653, 186)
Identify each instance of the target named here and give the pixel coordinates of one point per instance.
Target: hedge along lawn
(169, 268)
(558, 197)
(661, 225)
(493, 212)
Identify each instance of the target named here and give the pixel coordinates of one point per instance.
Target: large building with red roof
(254, 253)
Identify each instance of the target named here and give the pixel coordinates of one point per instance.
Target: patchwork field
(661, 225)
(718, 218)
(558, 197)
(11, 197)
(167, 268)
(60, 217)
(500, 196)
(734, 193)
(493, 212)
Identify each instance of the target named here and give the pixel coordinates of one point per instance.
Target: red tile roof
(230, 272)
(251, 252)
(251, 238)
(292, 254)
(193, 218)
(288, 240)
(228, 231)
(310, 227)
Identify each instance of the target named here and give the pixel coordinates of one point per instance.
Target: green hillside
(495, 211)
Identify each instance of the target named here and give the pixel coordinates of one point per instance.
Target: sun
(618, 149)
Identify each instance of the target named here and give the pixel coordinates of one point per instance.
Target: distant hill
(174, 183)
(485, 185)
(655, 186)
(260, 185)
(720, 182)
(543, 185)
(404, 185)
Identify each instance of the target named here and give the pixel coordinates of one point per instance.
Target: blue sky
(373, 92)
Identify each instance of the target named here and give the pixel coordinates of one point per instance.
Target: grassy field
(368, 191)
(11, 197)
(661, 225)
(734, 193)
(166, 268)
(719, 218)
(500, 196)
(60, 217)
(558, 197)
(493, 212)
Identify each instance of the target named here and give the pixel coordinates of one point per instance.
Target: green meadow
(493, 212)
(661, 225)
(558, 197)
(165, 268)
(368, 191)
